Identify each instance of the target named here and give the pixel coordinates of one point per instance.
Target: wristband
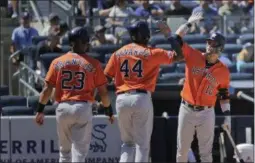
(108, 110)
(40, 107)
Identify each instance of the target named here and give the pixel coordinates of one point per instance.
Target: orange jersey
(136, 67)
(75, 77)
(201, 85)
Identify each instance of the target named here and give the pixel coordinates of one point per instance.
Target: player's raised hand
(164, 28)
(195, 17)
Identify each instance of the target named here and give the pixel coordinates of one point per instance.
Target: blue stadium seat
(37, 39)
(167, 68)
(17, 111)
(158, 39)
(241, 76)
(65, 41)
(65, 48)
(4, 90)
(47, 58)
(232, 68)
(231, 38)
(170, 77)
(125, 39)
(32, 102)
(164, 46)
(13, 101)
(200, 47)
(180, 67)
(195, 39)
(247, 68)
(249, 37)
(50, 109)
(232, 48)
(105, 49)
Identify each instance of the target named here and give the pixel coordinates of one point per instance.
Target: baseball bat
(234, 145)
(242, 95)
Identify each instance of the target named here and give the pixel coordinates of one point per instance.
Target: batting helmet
(139, 32)
(78, 33)
(220, 42)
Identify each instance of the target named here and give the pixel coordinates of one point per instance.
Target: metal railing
(37, 12)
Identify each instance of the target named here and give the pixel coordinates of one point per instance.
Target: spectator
(22, 36)
(176, 8)
(245, 56)
(54, 22)
(63, 30)
(208, 25)
(146, 9)
(118, 16)
(82, 5)
(14, 4)
(229, 8)
(101, 38)
(105, 7)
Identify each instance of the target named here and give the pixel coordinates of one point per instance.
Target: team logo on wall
(98, 138)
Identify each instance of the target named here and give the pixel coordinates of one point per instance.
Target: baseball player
(75, 76)
(135, 68)
(206, 78)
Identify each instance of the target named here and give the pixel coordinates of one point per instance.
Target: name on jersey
(133, 52)
(208, 75)
(88, 67)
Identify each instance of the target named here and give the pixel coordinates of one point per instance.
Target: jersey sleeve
(188, 50)
(99, 78)
(163, 56)
(110, 67)
(51, 76)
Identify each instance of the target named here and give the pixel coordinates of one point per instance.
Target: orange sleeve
(163, 56)
(51, 76)
(99, 78)
(188, 50)
(110, 67)
(226, 82)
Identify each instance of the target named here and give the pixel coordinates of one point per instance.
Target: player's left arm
(46, 93)
(224, 97)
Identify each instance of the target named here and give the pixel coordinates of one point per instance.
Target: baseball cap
(25, 15)
(99, 28)
(53, 16)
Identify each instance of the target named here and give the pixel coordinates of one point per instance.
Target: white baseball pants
(135, 118)
(189, 121)
(74, 127)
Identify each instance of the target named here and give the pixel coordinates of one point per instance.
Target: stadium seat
(241, 76)
(32, 102)
(158, 39)
(233, 57)
(47, 58)
(232, 68)
(164, 46)
(170, 77)
(4, 90)
(50, 109)
(37, 39)
(231, 38)
(232, 48)
(247, 68)
(65, 48)
(105, 49)
(13, 101)
(249, 37)
(17, 111)
(65, 41)
(107, 57)
(167, 68)
(125, 39)
(180, 67)
(195, 39)
(200, 47)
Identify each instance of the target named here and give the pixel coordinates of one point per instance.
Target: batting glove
(195, 17)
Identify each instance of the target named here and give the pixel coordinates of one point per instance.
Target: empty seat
(167, 68)
(164, 46)
(247, 68)
(232, 48)
(50, 109)
(125, 39)
(65, 41)
(195, 39)
(200, 47)
(37, 39)
(47, 58)
(158, 39)
(232, 68)
(249, 37)
(4, 90)
(241, 76)
(105, 49)
(13, 101)
(180, 67)
(171, 77)
(65, 48)
(32, 102)
(17, 111)
(231, 38)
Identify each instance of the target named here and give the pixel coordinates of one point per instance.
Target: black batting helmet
(139, 32)
(219, 40)
(78, 33)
